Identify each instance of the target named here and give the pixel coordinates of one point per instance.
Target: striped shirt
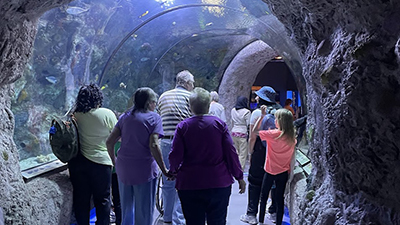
(173, 107)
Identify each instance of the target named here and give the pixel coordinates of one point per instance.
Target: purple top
(203, 154)
(135, 164)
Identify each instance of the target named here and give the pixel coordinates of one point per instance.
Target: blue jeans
(172, 205)
(137, 202)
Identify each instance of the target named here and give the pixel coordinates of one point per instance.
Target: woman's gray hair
(199, 101)
(183, 77)
(214, 96)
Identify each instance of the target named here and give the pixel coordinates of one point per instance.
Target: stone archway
(237, 80)
(242, 72)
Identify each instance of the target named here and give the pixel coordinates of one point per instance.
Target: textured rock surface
(350, 61)
(22, 203)
(294, 195)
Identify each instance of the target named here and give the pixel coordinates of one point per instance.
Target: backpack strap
(73, 120)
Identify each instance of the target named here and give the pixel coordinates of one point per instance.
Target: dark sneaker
(271, 209)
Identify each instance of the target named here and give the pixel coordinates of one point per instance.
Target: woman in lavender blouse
(138, 157)
(205, 163)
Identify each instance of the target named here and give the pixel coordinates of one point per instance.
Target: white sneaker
(248, 219)
(272, 217)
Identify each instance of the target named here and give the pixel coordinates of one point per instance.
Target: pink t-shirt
(279, 152)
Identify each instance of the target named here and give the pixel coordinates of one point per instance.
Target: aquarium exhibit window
(123, 45)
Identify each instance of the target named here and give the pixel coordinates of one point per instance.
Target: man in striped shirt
(173, 106)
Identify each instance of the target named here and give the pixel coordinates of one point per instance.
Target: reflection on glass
(217, 11)
(165, 3)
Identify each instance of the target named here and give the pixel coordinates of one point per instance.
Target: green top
(116, 148)
(94, 128)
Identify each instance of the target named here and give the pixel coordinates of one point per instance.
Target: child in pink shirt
(280, 154)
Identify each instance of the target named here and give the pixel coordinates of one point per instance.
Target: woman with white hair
(216, 109)
(204, 161)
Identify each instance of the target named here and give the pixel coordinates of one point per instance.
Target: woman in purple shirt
(138, 157)
(204, 161)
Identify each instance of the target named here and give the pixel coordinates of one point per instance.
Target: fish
(145, 47)
(122, 85)
(74, 10)
(145, 13)
(144, 59)
(129, 63)
(29, 66)
(104, 87)
(209, 24)
(22, 95)
(51, 79)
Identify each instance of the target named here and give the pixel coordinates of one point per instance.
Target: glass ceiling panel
(193, 38)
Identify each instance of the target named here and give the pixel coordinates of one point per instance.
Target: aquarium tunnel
(229, 45)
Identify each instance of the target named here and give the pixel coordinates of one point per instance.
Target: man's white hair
(183, 77)
(214, 96)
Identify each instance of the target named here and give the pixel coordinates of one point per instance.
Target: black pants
(199, 205)
(280, 182)
(254, 192)
(116, 199)
(89, 180)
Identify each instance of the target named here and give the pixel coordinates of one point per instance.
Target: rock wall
(40, 201)
(351, 66)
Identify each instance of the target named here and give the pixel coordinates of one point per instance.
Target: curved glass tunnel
(123, 45)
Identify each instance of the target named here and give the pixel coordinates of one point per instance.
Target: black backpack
(64, 138)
